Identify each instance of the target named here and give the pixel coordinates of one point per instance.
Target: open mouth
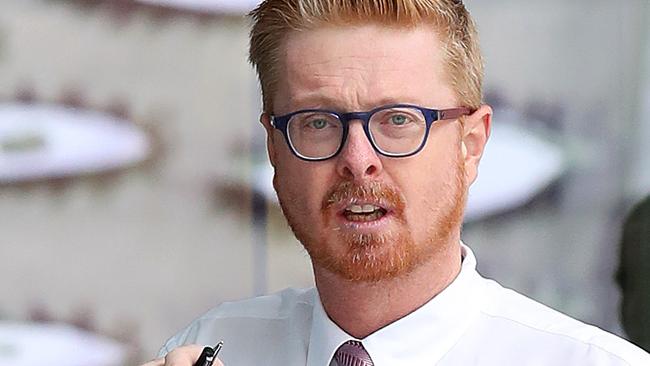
(364, 213)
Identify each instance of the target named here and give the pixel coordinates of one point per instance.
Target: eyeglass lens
(394, 131)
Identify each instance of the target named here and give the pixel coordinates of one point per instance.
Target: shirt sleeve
(181, 338)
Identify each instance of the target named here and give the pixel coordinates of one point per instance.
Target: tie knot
(352, 353)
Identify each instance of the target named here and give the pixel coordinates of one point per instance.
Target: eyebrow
(325, 102)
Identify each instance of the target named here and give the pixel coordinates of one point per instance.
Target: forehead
(360, 67)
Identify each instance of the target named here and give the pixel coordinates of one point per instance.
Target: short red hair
(274, 19)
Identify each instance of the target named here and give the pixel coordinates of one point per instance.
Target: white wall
(640, 174)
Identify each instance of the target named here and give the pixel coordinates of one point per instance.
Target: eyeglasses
(397, 130)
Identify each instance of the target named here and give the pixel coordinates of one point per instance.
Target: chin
(368, 257)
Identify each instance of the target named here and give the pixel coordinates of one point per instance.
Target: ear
(476, 132)
(265, 120)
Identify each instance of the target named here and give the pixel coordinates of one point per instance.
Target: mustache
(372, 191)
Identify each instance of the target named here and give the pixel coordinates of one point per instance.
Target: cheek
(424, 188)
(302, 184)
(429, 182)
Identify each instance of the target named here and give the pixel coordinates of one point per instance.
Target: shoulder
(530, 322)
(281, 309)
(276, 305)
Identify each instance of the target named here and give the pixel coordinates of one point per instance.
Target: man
(634, 274)
(375, 129)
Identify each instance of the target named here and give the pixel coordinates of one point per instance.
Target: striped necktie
(352, 353)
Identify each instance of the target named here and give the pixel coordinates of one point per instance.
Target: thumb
(183, 356)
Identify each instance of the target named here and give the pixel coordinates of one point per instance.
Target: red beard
(378, 256)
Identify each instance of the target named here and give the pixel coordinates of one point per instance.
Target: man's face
(417, 201)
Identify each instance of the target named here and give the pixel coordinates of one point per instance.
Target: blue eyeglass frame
(430, 115)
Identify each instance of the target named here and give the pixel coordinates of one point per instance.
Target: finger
(183, 356)
(156, 362)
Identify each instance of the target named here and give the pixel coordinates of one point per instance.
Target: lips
(363, 204)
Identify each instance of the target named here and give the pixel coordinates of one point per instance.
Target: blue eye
(398, 119)
(319, 124)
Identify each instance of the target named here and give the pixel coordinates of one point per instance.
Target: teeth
(365, 218)
(357, 209)
(369, 208)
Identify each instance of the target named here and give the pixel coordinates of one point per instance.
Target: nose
(358, 160)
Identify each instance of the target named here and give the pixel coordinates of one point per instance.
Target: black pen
(208, 355)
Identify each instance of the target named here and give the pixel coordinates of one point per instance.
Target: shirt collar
(325, 338)
(422, 337)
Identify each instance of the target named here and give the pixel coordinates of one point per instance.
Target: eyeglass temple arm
(453, 113)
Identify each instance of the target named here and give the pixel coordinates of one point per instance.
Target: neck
(362, 308)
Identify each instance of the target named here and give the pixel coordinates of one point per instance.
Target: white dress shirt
(474, 321)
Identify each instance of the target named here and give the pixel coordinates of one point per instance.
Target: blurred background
(135, 192)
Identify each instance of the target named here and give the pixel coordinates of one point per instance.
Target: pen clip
(217, 348)
(215, 352)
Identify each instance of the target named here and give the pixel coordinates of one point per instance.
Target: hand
(181, 356)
